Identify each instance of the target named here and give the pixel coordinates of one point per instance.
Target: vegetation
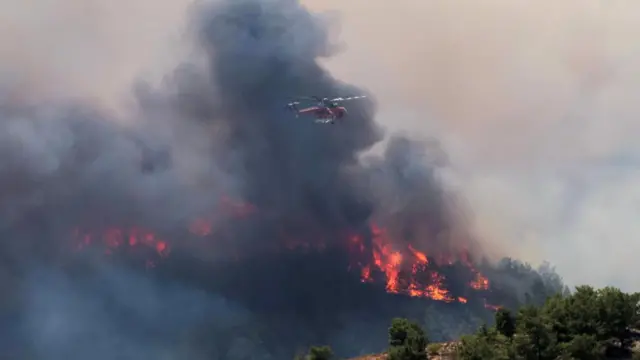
(317, 353)
(433, 349)
(587, 324)
(407, 341)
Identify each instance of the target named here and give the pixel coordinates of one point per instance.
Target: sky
(533, 101)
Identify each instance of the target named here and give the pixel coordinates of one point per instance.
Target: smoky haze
(534, 103)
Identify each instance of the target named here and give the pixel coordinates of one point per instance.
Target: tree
(583, 347)
(505, 323)
(489, 345)
(618, 312)
(407, 340)
(575, 314)
(317, 353)
(320, 353)
(433, 349)
(607, 314)
(535, 339)
(587, 325)
(582, 313)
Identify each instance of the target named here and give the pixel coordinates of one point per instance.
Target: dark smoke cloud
(214, 127)
(411, 199)
(263, 54)
(117, 314)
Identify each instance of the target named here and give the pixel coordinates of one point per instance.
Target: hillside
(446, 351)
(587, 324)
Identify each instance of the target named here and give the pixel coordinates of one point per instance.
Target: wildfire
(114, 239)
(407, 271)
(404, 269)
(480, 283)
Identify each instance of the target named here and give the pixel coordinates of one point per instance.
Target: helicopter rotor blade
(349, 98)
(312, 98)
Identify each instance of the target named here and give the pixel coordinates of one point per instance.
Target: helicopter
(326, 110)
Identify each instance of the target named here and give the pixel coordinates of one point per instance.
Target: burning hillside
(251, 230)
(373, 254)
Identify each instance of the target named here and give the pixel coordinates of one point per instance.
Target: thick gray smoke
(261, 55)
(214, 128)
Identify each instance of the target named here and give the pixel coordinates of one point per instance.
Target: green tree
(582, 313)
(485, 346)
(407, 340)
(617, 312)
(316, 353)
(434, 349)
(583, 347)
(535, 339)
(557, 314)
(505, 323)
(585, 325)
(320, 353)
(575, 314)
(636, 321)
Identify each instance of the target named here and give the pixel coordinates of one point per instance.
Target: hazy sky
(534, 103)
(532, 100)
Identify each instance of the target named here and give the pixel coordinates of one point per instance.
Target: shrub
(407, 340)
(317, 353)
(434, 349)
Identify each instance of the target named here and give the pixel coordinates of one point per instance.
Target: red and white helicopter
(326, 110)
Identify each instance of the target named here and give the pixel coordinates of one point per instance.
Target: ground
(445, 353)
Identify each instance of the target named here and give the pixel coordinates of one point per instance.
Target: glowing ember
(201, 227)
(480, 283)
(491, 307)
(421, 257)
(114, 238)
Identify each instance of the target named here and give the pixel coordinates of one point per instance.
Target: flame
(407, 270)
(401, 267)
(480, 283)
(114, 238)
(491, 307)
(390, 262)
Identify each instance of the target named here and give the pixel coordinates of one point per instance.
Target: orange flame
(405, 269)
(395, 263)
